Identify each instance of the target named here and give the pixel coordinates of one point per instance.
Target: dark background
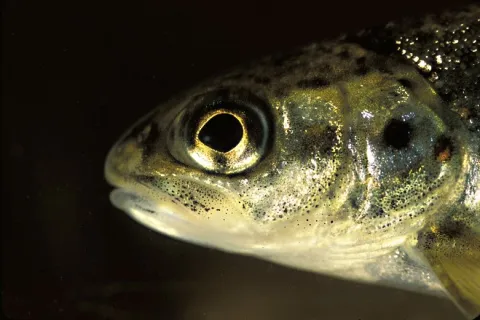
(75, 75)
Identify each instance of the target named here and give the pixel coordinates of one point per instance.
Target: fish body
(357, 157)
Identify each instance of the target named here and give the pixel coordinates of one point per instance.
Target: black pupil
(397, 134)
(222, 132)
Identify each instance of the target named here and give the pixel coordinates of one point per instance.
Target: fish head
(323, 159)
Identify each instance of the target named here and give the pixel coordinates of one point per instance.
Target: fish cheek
(320, 138)
(410, 157)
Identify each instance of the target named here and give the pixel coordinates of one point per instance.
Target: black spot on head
(312, 83)
(397, 134)
(406, 83)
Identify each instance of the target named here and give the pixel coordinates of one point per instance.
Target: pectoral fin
(452, 248)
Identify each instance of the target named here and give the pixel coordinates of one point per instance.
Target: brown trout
(357, 157)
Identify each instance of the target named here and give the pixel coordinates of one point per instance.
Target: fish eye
(397, 134)
(225, 132)
(222, 132)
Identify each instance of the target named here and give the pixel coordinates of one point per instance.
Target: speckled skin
(444, 49)
(323, 179)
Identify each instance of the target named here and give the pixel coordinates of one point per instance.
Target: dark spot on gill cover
(397, 134)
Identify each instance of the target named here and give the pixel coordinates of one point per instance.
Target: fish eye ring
(226, 132)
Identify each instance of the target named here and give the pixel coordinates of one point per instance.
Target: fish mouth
(153, 199)
(163, 213)
(160, 214)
